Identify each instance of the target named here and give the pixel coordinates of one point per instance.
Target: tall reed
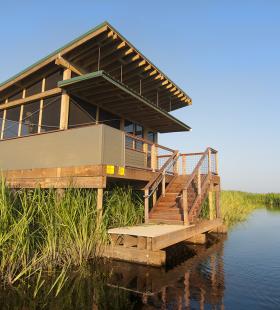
(43, 231)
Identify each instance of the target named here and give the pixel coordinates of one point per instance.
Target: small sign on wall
(121, 171)
(110, 169)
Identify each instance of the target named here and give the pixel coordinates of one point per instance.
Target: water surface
(241, 271)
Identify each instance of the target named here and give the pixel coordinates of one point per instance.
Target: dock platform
(146, 244)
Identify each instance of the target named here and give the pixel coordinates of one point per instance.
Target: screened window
(136, 130)
(109, 119)
(51, 114)
(129, 128)
(151, 136)
(1, 120)
(139, 133)
(30, 118)
(52, 79)
(33, 89)
(11, 123)
(81, 113)
(17, 95)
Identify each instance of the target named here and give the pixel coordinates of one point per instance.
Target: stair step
(172, 217)
(171, 211)
(166, 204)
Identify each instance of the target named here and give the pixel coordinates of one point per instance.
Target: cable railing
(159, 179)
(196, 185)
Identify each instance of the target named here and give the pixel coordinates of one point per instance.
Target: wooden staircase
(181, 201)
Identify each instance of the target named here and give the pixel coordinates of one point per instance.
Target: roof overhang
(104, 48)
(106, 92)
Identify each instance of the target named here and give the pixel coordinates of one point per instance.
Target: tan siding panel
(134, 158)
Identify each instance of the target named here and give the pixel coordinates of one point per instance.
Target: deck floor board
(147, 230)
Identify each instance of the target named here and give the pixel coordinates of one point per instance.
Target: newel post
(185, 207)
(217, 163)
(146, 205)
(153, 157)
(163, 184)
(209, 161)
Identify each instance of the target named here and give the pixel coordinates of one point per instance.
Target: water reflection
(196, 282)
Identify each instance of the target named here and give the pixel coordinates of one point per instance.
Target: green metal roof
(105, 23)
(54, 53)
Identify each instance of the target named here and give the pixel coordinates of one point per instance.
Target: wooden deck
(145, 244)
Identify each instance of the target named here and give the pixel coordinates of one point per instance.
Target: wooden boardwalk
(145, 243)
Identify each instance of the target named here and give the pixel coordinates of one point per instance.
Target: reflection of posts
(187, 289)
(202, 299)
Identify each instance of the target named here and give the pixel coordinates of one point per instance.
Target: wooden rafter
(60, 61)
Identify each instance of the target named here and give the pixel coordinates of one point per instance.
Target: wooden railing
(198, 181)
(159, 179)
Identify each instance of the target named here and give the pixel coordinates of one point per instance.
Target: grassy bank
(236, 206)
(42, 231)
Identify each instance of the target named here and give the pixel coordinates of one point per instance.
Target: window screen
(16, 96)
(51, 114)
(109, 119)
(52, 79)
(151, 136)
(81, 113)
(33, 89)
(30, 118)
(139, 133)
(11, 123)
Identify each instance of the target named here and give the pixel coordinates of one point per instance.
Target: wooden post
(41, 106)
(146, 205)
(184, 165)
(99, 204)
(198, 182)
(217, 201)
(185, 207)
(163, 185)
(217, 163)
(209, 161)
(153, 158)
(3, 124)
(154, 197)
(65, 99)
(211, 207)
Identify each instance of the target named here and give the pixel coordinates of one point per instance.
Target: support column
(99, 204)
(146, 206)
(185, 207)
(153, 157)
(211, 205)
(65, 99)
(218, 201)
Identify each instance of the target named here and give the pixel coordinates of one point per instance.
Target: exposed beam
(62, 62)
(48, 93)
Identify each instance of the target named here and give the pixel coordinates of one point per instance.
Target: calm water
(240, 272)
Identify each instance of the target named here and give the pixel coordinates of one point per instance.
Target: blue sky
(224, 54)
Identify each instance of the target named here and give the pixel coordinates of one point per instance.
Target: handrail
(203, 185)
(197, 167)
(149, 142)
(161, 171)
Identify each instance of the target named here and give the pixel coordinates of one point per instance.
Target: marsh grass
(43, 232)
(237, 206)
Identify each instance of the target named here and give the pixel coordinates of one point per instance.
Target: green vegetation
(41, 230)
(236, 206)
